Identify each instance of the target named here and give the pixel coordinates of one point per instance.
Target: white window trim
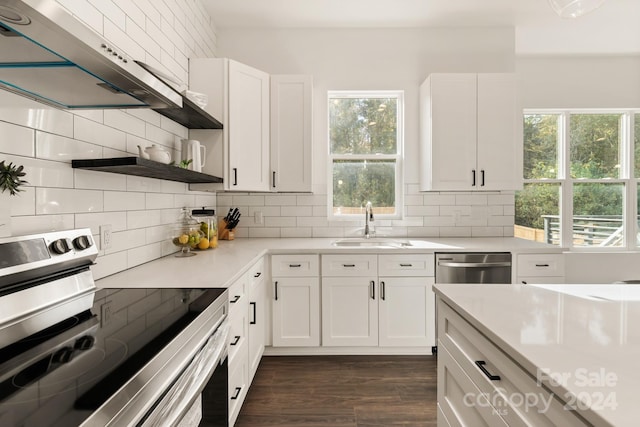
(630, 182)
(398, 157)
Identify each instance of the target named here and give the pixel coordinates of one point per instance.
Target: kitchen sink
(373, 242)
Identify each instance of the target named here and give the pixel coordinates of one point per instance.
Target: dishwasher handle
(474, 264)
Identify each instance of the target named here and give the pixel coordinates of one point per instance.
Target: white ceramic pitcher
(192, 149)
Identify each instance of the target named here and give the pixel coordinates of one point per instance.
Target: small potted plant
(11, 178)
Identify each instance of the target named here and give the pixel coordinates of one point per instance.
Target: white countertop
(586, 333)
(218, 268)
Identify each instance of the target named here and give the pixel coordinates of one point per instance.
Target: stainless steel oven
(477, 267)
(72, 354)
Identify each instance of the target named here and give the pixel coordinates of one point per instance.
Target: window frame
(398, 157)
(626, 153)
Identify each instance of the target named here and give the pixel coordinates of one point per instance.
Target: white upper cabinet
(291, 150)
(469, 132)
(239, 95)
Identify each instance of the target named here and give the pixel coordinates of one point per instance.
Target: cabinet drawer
(238, 328)
(238, 384)
(468, 346)
(406, 265)
(256, 272)
(349, 265)
(294, 265)
(541, 265)
(237, 293)
(459, 400)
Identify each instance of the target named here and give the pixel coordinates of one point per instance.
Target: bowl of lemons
(186, 234)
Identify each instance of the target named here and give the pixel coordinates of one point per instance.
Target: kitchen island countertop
(580, 341)
(220, 267)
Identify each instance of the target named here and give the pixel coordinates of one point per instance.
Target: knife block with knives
(227, 224)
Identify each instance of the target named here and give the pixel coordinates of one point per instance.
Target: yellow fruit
(204, 243)
(213, 243)
(183, 239)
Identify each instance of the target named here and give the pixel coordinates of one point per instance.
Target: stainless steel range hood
(48, 55)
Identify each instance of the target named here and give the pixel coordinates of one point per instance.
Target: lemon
(183, 239)
(213, 243)
(204, 243)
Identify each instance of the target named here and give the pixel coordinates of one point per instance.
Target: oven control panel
(24, 253)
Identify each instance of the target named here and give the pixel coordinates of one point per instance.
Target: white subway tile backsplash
(117, 220)
(94, 180)
(123, 41)
(424, 232)
(125, 122)
(157, 234)
(86, 12)
(249, 200)
(63, 149)
(423, 210)
(265, 232)
(145, 114)
(21, 225)
(143, 185)
(185, 200)
(455, 231)
(141, 219)
(280, 221)
(138, 33)
(435, 199)
(123, 240)
(23, 203)
(314, 199)
(143, 254)
(473, 199)
(18, 140)
(96, 133)
(297, 210)
(159, 201)
(486, 231)
(123, 201)
(280, 200)
(60, 200)
(312, 221)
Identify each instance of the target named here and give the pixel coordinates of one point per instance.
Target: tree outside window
(577, 171)
(365, 148)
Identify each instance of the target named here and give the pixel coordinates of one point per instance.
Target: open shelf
(143, 167)
(190, 116)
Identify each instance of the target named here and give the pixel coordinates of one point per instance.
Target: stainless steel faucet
(368, 217)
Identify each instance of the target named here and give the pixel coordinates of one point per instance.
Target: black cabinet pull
(295, 265)
(542, 265)
(372, 285)
(258, 274)
(524, 282)
(406, 265)
(480, 364)
(473, 177)
(349, 265)
(253, 322)
(235, 300)
(383, 291)
(274, 179)
(237, 393)
(482, 178)
(235, 176)
(276, 290)
(236, 340)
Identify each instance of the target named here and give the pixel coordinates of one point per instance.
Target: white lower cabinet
(247, 303)
(378, 300)
(540, 268)
(480, 385)
(296, 301)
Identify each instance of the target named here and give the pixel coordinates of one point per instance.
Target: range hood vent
(48, 55)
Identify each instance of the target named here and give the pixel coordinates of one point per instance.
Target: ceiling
(611, 29)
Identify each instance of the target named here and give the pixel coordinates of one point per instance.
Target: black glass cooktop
(62, 374)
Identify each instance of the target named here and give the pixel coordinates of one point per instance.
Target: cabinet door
(498, 140)
(349, 311)
(248, 128)
(291, 150)
(407, 312)
(448, 120)
(296, 312)
(256, 320)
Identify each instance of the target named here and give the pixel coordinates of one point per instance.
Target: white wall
(579, 81)
(45, 140)
(340, 59)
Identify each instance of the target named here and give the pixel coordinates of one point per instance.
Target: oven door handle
(178, 400)
(474, 264)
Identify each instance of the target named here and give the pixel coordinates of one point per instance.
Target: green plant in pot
(11, 178)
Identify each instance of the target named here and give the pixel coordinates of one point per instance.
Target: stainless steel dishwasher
(494, 267)
(476, 267)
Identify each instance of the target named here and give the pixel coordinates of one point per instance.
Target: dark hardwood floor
(342, 391)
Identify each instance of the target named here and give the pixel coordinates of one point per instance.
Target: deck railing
(601, 230)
